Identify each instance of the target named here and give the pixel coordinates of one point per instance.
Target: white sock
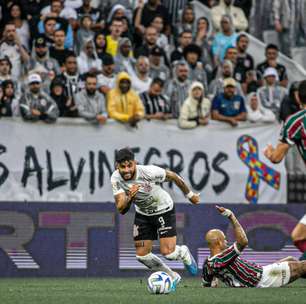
(153, 262)
(175, 255)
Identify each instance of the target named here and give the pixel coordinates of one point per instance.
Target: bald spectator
(140, 79)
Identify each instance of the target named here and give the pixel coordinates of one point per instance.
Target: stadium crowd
(133, 60)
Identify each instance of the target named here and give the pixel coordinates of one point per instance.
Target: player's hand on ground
(195, 199)
(225, 212)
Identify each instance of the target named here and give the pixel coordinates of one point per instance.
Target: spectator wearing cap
(123, 103)
(229, 107)
(185, 38)
(41, 59)
(256, 112)
(9, 101)
(140, 79)
(271, 54)
(107, 78)
(11, 47)
(58, 51)
(157, 67)
(90, 102)
(88, 61)
(226, 7)
(178, 87)
(35, 104)
(124, 60)
(156, 104)
(224, 39)
(196, 108)
(57, 92)
(192, 55)
(271, 94)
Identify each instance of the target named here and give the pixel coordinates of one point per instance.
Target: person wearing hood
(124, 104)
(256, 112)
(188, 21)
(124, 60)
(117, 11)
(226, 7)
(84, 32)
(88, 60)
(271, 94)
(196, 108)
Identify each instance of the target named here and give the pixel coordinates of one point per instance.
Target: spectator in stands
(73, 82)
(226, 7)
(203, 39)
(157, 68)
(256, 112)
(91, 103)
(261, 19)
(289, 106)
(289, 21)
(175, 7)
(9, 102)
(58, 51)
(188, 21)
(224, 39)
(84, 32)
(95, 14)
(41, 58)
(245, 5)
(192, 55)
(140, 79)
(178, 87)
(185, 38)
(107, 78)
(48, 28)
(57, 92)
(11, 47)
(124, 60)
(216, 87)
(252, 82)
(17, 16)
(162, 39)
(88, 60)
(245, 61)
(271, 94)
(124, 104)
(35, 104)
(100, 45)
(271, 61)
(5, 69)
(116, 29)
(156, 104)
(229, 107)
(117, 11)
(196, 108)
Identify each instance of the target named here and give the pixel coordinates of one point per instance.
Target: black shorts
(150, 227)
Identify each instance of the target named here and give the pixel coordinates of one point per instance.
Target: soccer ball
(159, 283)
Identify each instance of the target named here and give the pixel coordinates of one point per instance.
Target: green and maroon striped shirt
(294, 132)
(231, 269)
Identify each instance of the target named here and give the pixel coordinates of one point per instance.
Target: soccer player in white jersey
(155, 212)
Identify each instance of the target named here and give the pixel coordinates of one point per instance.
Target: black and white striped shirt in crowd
(155, 104)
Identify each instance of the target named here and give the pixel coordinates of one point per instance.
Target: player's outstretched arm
(123, 201)
(193, 197)
(276, 155)
(241, 238)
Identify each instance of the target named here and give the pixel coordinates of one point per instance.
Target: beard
(91, 92)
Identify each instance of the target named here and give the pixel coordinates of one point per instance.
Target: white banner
(72, 160)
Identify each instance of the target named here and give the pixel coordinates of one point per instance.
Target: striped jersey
(294, 132)
(232, 270)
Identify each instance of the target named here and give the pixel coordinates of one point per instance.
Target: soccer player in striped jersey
(293, 133)
(225, 263)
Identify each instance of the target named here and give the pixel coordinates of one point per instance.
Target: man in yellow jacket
(123, 103)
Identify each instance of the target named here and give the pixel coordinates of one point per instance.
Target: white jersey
(151, 198)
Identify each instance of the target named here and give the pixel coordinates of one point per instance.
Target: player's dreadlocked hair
(125, 154)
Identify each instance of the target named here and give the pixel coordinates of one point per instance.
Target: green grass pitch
(132, 291)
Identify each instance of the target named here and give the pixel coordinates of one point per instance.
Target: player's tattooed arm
(124, 200)
(173, 177)
(241, 237)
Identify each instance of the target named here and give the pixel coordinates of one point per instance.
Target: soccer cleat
(175, 282)
(189, 261)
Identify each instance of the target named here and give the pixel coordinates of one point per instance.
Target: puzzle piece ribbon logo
(258, 170)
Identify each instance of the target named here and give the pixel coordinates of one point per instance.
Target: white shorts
(303, 220)
(275, 275)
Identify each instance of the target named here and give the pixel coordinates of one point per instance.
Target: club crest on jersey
(146, 187)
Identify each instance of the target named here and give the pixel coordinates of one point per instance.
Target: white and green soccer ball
(159, 283)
